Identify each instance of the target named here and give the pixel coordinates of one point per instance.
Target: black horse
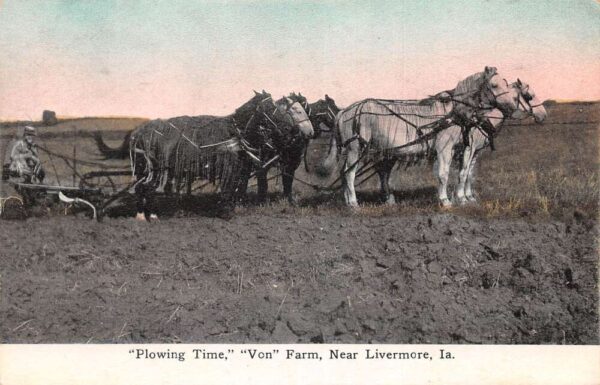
(219, 149)
(289, 147)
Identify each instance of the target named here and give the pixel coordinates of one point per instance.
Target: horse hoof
(292, 202)
(353, 206)
(391, 201)
(445, 203)
(225, 215)
(140, 217)
(153, 217)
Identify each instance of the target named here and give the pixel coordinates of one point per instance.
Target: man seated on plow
(24, 160)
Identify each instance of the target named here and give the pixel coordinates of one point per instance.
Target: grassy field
(540, 171)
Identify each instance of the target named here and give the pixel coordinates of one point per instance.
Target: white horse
(384, 131)
(478, 138)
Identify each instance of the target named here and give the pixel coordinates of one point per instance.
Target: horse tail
(122, 152)
(138, 161)
(324, 169)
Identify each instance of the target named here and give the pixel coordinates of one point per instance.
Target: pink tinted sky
(205, 57)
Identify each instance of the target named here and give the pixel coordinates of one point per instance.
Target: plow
(92, 191)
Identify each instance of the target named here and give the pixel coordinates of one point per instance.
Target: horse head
(298, 97)
(485, 90)
(322, 114)
(528, 103)
(292, 111)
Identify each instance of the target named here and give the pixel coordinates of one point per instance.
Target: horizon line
(65, 118)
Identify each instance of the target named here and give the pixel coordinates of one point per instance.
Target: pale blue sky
(164, 58)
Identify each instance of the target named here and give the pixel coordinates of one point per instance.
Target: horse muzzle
(306, 129)
(539, 114)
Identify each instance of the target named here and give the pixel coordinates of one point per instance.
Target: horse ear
(264, 92)
(289, 101)
(327, 97)
(519, 83)
(490, 70)
(255, 93)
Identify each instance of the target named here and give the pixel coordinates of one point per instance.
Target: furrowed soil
(286, 278)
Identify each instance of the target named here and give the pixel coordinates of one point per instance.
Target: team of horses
(169, 155)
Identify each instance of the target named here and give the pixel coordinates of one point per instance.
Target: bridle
(493, 100)
(329, 113)
(524, 100)
(327, 116)
(287, 112)
(261, 110)
(488, 100)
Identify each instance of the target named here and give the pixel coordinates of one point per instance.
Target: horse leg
(151, 211)
(464, 173)
(263, 186)
(163, 180)
(244, 176)
(469, 193)
(384, 169)
(445, 142)
(287, 177)
(441, 169)
(169, 182)
(140, 195)
(188, 183)
(227, 201)
(349, 174)
(230, 191)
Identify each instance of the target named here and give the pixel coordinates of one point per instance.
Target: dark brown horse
(219, 149)
(289, 147)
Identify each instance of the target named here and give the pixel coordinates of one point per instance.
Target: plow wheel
(12, 208)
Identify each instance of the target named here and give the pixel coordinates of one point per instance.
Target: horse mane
(467, 86)
(444, 97)
(246, 110)
(467, 95)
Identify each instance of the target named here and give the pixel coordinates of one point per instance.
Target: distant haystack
(49, 118)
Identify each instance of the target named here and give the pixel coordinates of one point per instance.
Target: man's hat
(29, 131)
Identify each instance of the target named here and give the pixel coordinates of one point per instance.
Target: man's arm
(20, 152)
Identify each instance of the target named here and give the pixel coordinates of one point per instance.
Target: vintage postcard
(409, 186)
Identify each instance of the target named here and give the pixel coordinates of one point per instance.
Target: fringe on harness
(186, 148)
